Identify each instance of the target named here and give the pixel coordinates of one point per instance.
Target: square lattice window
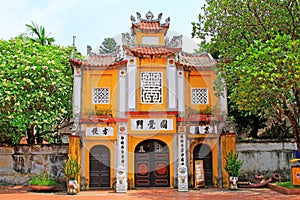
(151, 87)
(101, 95)
(199, 96)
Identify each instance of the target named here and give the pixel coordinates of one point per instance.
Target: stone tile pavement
(23, 193)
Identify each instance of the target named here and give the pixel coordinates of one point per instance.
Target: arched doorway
(152, 164)
(203, 152)
(99, 167)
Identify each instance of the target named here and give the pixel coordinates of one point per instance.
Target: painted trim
(122, 91)
(171, 81)
(180, 92)
(132, 87)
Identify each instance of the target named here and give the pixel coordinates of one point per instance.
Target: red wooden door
(152, 164)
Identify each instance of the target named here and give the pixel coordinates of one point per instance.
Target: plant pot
(233, 183)
(72, 187)
(41, 188)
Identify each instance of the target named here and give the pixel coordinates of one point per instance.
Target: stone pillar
(122, 169)
(76, 100)
(182, 168)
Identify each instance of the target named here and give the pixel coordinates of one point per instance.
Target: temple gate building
(149, 118)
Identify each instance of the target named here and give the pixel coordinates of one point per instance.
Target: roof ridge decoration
(149, 18)
(176, 42)
(129, 41)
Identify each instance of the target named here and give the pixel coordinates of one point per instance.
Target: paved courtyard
(23, 193)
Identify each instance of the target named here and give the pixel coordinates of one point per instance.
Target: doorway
(152, 164)
(203, 152)
(99, 167)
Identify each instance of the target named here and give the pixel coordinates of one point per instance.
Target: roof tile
(98, 61)
(199, 61)
(161, 50)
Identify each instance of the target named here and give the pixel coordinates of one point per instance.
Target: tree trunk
(30, 135)
(295, 127)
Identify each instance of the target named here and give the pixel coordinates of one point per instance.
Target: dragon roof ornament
(149, 18)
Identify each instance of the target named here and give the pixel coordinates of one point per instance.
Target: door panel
(151, 165)
(99, 167)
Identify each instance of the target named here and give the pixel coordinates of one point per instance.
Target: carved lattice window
(151, 87)
(101, 95)
(199, 96)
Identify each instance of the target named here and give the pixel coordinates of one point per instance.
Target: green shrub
(71, 169)
(43, 179)
(233, 164)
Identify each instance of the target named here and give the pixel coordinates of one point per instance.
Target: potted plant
(233, 167)
(42, 182)
(71, 171)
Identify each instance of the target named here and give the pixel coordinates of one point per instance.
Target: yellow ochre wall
(75, 152)
(98, 78)
(200, 79)
(152, 65)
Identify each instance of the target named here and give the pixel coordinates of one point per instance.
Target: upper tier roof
(149, 24)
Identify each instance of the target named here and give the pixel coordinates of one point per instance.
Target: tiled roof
(151, 51)
(196, 61)
(105, 61)
(150, 25)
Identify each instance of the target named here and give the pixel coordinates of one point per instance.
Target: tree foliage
(109, 45)
(35, 88)
(258, 44)
(38, 34)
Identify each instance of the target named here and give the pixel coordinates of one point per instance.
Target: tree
(35, 88)
(258, 44)
(109, 45)
(39, 34)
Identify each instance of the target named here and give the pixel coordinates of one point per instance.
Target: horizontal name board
(152, 124)
(100, 131)
(203, 129)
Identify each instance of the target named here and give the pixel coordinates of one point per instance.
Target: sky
(92, 20)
